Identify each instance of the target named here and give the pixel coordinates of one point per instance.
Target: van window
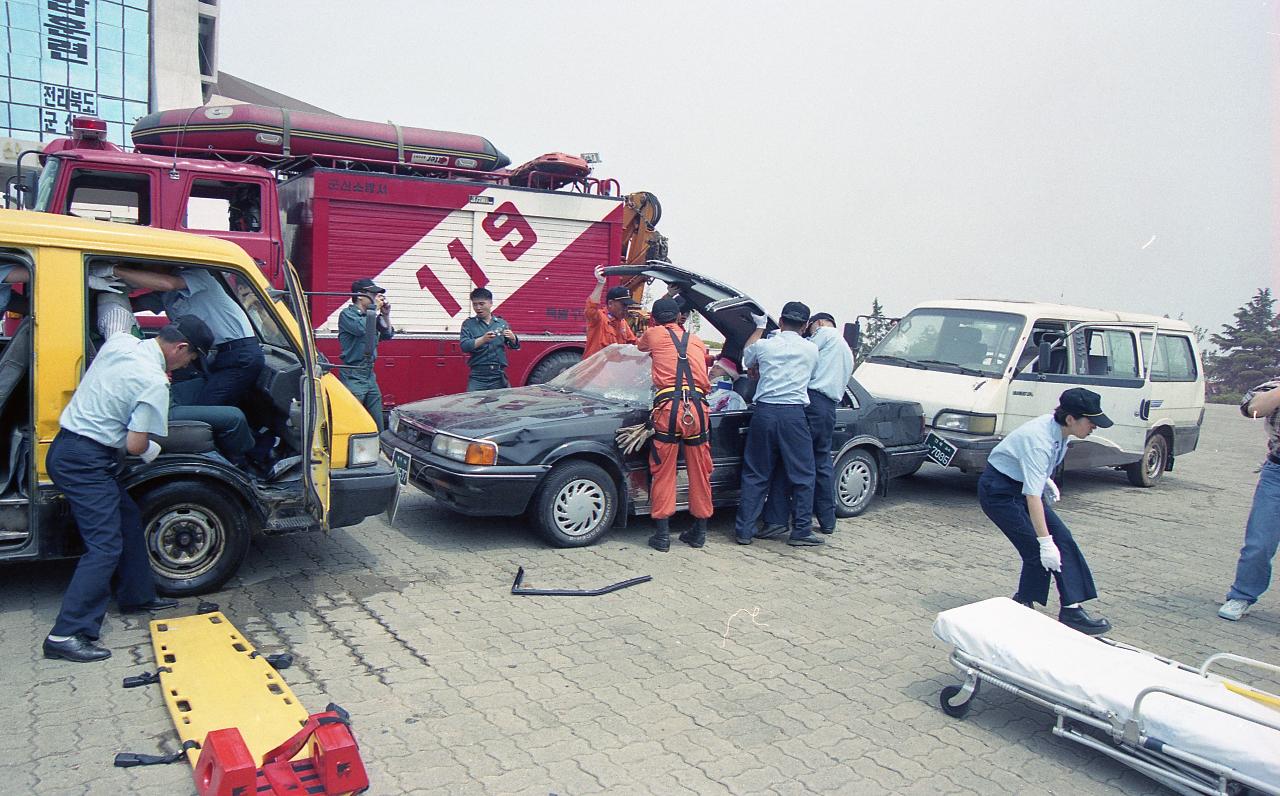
(121, 197)
(940, 337)
(1173, 358)
(1105, 353)
(224, 206)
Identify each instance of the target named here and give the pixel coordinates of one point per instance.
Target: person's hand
(1050, 558)
(599, 272)
(487, 338)
(760, 321)
(384, 306)
(1051, 491)
(104, 271)
(509, 335)
(108, 284)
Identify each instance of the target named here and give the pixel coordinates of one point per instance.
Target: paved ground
(761, 669)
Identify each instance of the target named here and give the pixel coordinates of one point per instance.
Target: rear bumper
(906, 458)
(478, 491)
(359, 492)
(971, 452)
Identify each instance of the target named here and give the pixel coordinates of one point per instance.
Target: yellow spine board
(214, 684)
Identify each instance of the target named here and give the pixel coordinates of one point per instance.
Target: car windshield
(955, 340)
(616, 373)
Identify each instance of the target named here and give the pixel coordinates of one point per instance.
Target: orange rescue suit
(691, 431)
(604, 330)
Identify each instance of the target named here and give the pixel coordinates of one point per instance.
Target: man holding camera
(361, 325)
(486, 337)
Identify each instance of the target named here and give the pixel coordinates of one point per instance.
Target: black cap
(822, 316)
(664, 310)
(366, 286)
(1079, 402)
(620, 293)
(196, 333)
(795, 311)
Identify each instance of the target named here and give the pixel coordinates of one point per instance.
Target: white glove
(109, 284)
(1050, 558)
(104, 271)
(760, 321)
(153, 450)
(632, 438)
(1051, 491)
(599, 272)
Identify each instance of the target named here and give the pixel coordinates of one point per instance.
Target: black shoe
(158, 604)
(661, 539)
(1077, 619)
(773, 532)
(809, 540)
(77, 649)
(827, 531)
(742, 539)
(697, 535)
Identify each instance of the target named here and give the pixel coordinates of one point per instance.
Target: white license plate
(940, 450)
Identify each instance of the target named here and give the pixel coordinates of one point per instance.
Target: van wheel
(1146, 471)
(197, 534)
(856, 476)
(553, 366)
(576, 504)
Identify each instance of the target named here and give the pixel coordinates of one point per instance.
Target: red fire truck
(417, 223)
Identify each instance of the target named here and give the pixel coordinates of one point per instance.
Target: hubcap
(855, 480)
(185, 541)
(1155, 460)
(579, 507)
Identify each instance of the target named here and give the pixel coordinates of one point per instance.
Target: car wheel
(553, 366)
(197, 534)
(856, 476)
(1147, 470)
(576, 504)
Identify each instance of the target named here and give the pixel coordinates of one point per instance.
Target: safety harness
(684, 394)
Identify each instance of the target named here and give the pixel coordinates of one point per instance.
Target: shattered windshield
(616, 373)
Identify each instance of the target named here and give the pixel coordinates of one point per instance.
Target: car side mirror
(1042, 362)
(853, 335)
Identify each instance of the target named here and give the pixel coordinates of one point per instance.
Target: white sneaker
(1234, 609)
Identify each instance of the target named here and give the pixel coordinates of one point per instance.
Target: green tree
(1249, 350)
(874, 327)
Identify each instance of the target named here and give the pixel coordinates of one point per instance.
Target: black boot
(661, 539)
(1077, 619)
(697, 535)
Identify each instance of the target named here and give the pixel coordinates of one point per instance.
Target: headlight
(464, 450)
(965, 423)
(394, 423)
(362, 450)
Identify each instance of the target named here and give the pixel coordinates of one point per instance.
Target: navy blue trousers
(778, 441)
(115, 558)
(1002, 500)
(821, 417)
(232, 373)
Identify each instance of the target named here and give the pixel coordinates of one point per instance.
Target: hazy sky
(1111, 154)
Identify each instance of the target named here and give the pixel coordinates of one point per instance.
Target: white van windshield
(972, 342)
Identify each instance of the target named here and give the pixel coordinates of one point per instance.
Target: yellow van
(198, 510)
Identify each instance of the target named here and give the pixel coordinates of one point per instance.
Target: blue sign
(71, 57)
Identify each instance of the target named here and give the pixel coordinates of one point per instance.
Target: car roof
(1035, 310)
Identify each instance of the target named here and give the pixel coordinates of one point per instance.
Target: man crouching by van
(123, 397)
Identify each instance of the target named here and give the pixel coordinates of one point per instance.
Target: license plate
(401, 461)
(940, 450)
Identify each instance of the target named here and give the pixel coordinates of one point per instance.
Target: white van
(982, 368)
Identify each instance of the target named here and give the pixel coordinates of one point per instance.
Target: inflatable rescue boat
(276, 132)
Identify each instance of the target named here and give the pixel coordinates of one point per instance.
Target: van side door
(1105, 358)
(1177, 386)
(316, 431)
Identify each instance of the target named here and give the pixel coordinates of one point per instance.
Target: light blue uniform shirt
(1031, 453)
(835, 363)
(6, 288)
(125, 389)
(205, 298)
(787, 362)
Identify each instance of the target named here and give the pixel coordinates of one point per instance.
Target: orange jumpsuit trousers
(663, 457)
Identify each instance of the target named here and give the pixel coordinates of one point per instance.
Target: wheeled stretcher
(1189, 729)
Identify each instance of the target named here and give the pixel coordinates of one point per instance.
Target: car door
(1106, 359)
(316, 433)
(728, 440)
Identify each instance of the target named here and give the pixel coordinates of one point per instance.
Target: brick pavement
(456, 686)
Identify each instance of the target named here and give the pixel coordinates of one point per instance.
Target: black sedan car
(549, 449)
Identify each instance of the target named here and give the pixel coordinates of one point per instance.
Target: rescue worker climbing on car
(681, 424)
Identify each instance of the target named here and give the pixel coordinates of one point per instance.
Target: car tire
(856, 475)
(576, 504)
(1155, 455)
(553, 366)
(197, 534)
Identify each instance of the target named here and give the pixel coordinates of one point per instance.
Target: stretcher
(1189, 729)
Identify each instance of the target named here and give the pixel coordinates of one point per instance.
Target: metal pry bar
(516, 588)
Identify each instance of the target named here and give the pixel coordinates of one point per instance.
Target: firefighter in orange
(681, 424)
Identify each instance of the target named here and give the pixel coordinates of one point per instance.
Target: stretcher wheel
(956, 711)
